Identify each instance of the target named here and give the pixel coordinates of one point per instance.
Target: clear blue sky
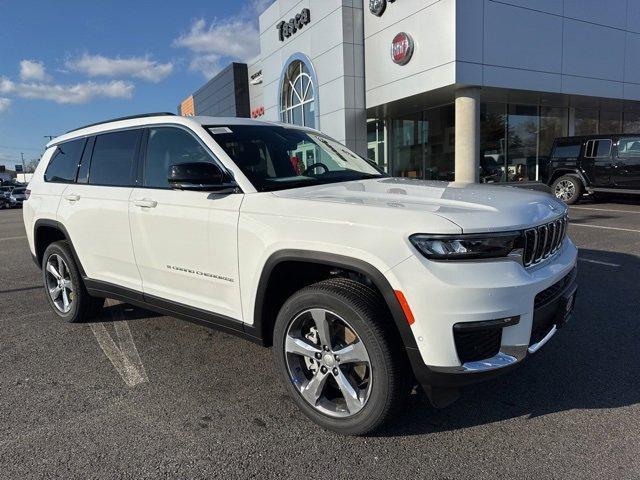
(68, 63)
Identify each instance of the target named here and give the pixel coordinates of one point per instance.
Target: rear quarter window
(63, 166)
(113, 159)
(566, 151)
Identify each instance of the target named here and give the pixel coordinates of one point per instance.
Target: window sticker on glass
(220, 130)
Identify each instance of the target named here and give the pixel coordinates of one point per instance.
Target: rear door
(185, 242)
(627, 164)
(95, 210)
(599, 159)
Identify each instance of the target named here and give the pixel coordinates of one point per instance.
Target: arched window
(298, 102)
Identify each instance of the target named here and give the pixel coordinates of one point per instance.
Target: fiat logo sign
(402, 48)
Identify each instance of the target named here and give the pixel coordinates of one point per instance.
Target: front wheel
(339, 357)
(567, 188)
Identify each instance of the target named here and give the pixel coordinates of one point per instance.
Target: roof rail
(130, 117)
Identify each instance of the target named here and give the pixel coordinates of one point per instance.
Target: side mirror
(203, 176)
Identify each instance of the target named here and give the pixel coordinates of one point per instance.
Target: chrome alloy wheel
(328, 363)
(565, 190)
(59, 283)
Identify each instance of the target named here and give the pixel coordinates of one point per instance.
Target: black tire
(82, 305)
(368, 317)
(568, 188)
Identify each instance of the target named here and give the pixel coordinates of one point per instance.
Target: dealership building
(449, 89)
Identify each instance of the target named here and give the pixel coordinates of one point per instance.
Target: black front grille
(543, 241)
(542, 324)
(477, 345)
(552, 292)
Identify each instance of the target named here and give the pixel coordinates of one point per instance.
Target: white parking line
(604, 210)
(12, 238)
(605, 228)
(598, 262)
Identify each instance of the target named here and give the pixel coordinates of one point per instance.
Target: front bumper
(452, 294)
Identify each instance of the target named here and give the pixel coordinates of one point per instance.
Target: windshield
(275, 157)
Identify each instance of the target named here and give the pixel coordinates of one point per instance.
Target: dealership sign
(257, 112)
(377, 7)
(402, 48)
(286, 29)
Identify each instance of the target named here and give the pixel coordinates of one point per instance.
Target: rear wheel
(337, 355)
(64, 287)
(568, 188)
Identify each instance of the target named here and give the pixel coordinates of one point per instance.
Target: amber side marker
(405, 307)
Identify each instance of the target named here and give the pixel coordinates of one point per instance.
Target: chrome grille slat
(543, 241)
(554, 236)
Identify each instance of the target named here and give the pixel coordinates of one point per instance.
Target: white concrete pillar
(467, 148)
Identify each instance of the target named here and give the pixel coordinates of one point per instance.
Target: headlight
(466, 247)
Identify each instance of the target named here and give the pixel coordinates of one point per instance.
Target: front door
(627, 164)
(185, 242)
(598, 153)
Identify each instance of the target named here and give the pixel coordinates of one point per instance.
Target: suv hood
(473, 207)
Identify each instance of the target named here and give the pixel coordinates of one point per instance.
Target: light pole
(24, 177)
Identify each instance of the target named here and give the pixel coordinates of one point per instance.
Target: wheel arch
(264, 313)
(47, 231)
(569, 171)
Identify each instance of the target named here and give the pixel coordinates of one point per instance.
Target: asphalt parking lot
(135, 395)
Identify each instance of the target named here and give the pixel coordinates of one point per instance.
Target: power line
(22, 148)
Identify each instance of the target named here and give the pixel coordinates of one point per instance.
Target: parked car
(5, 191)
(18, 195)
(4, 202)
(364, 285)
(596, 164)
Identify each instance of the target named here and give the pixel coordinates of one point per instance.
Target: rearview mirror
(203, 176)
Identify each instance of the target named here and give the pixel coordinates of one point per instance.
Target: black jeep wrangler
(594, 164)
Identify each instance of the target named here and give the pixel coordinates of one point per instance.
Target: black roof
(581, 138)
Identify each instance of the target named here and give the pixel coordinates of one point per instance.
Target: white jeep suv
(363, 284)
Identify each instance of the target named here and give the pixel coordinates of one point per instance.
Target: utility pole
(50, 137)
(24, 176)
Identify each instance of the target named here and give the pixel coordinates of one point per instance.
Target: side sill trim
(198, 316)
(616, 190)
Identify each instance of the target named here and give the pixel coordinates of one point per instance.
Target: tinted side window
(566, 151)
(170, 146)
(113, 159)
(629, 147)
(83, 171)
(598, 148)
(64, 164)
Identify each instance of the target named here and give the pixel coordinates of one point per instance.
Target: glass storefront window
(554, 123)
(586, 121)
(515, 139)
(439, 153)
(631, 122)
(522, 143)
(610, 122)
(409, 138)
(376, 137)
(493, 134)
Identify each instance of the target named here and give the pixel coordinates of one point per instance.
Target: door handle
(72, 197)
(145, 203)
